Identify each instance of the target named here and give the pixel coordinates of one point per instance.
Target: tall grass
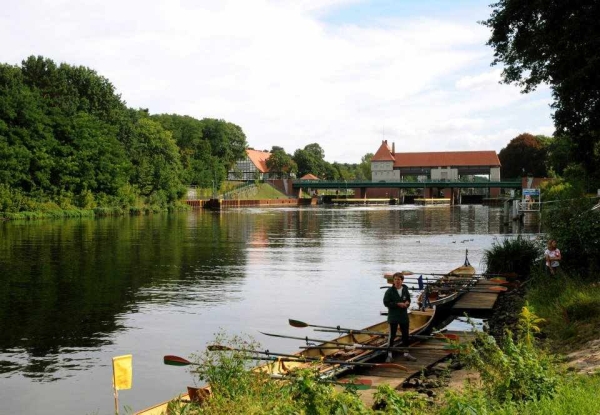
(569, 304)
(512, 255)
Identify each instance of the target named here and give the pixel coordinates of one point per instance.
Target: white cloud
(285, 76)
(479, 81)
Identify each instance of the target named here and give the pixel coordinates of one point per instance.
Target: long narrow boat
(438, 293)
(419, 320)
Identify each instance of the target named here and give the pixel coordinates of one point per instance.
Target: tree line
(311, 160)
(68, 140)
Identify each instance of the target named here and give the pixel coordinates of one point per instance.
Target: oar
(413, 337)
(301, 358)
(505, 275)
(489, 290)
(448, 348)
(180, 361)
(306, 339)
(458, 280)
(301, 324)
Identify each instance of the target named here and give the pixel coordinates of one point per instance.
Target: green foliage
(512, 255)
(235, 389)
(389, 401)
(68, 141)
(526, 154)
(208, 147)
(280, 164)
(569, 304)
(517, 371)
(365, 166)
(529, 325)
(577, 395)
(472, 401)
(576, 228)
(539, 43)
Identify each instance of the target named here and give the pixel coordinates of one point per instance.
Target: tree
(281, 164)
(365, 166)
(525, 154)
(560, 154)
(156, 165)
(558, 43)
(316, 151)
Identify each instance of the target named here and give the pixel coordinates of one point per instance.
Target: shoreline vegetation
(49, 210)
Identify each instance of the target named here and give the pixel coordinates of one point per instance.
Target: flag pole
(115, 392)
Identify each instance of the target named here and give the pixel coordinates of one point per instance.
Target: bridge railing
(354, 183)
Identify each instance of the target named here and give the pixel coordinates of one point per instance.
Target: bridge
(425, 184)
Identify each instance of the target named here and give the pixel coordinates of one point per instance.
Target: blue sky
(342, 73)
(372, 12)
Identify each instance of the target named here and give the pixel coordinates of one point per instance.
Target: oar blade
(297, 323)
(175, 361)
(496, 288)
(390, 366)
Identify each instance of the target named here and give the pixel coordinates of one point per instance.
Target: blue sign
(531, 192)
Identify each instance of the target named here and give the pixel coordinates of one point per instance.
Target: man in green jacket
(397, 301)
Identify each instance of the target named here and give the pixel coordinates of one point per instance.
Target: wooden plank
(395, 378)
(476, 301)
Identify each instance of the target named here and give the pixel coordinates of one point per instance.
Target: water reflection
(74, 292)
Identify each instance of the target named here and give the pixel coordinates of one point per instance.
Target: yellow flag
(122, 372)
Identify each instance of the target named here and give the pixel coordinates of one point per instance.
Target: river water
(75, 293)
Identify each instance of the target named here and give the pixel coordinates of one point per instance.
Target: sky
(346, 74)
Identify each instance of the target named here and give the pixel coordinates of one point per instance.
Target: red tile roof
(309, 176)
(447, 159)
(384, 153)
(259, 158)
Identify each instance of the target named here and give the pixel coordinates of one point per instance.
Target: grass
(512, 255)
(569, 304)
(578, 395)
(265, 191)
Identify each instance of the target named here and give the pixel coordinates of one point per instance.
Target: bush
(516, 255)
(236, 389)
(570, 305)
(577, 231)
(389, 400)
(517, 371)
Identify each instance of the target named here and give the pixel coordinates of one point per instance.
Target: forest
(69, 141)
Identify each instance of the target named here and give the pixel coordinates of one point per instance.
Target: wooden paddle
(456, 280)
(180, 361)
(301, 324)
(448, 348)
(504, 275)
(414, 336)
(490, 290)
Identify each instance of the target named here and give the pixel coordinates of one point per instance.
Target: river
(75, 293)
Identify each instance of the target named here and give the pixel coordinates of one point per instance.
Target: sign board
(531, 193)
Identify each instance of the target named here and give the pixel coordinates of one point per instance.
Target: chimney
(393, 148)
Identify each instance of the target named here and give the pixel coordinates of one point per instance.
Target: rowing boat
(438, 292)
(419, 322)
(438, 295)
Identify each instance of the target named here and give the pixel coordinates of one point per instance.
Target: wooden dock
(477, 301)
(395, 378)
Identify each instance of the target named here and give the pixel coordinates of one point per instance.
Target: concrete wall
(444, 174)
(384, 171)
(495, 174)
